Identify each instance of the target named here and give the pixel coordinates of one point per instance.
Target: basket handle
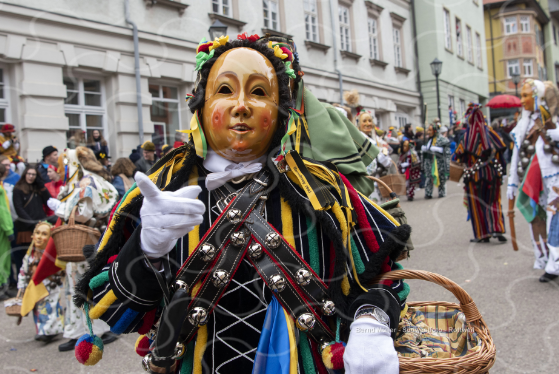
(467, 304)
(72, 219)
(392, 193)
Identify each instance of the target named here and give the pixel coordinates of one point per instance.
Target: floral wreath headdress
(286, 51)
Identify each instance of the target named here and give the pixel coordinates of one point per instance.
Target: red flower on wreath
(245, 36)
(204, 47)
(288, 53)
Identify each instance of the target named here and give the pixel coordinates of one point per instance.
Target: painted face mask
(241, 109)
(41, 235)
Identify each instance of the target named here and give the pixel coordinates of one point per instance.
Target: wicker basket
(474, 362)
(13, 305)
(456, 171)
(71, 238)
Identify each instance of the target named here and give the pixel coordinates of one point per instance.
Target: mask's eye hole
(224, 90)
(259, 92)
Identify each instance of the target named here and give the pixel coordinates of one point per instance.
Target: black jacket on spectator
(43, 173)
(29, 208)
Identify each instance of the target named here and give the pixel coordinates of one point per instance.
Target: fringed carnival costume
(481, 150)
(286, 252)
(535, 170)
(436, 161)
(409, 165)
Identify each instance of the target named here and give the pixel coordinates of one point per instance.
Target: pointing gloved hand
(511, 192)
(370, 349)
(167, 216)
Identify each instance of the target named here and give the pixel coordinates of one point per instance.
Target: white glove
(423, 148)
(370, 349)
(6, 144)
(554, 134)
(437, 149)
(167, 216)
(16, 146)
(404, 164)
(384, 160)
(53, 204)
(511, 192)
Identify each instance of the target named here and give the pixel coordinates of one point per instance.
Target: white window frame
(374, 48)
(85, 110)
(511, 25)
(479, 55)
(462, 107)
(469, 45)
(272, 7)
(221, 6)
(451, 101)
(402, 119)
(513, 64)
(447, 28)
(345, 28)
(161, 99)
(459, 38)
(311, 20)
(524, 24)
(397, 40)
(528, 67)
(5, 100)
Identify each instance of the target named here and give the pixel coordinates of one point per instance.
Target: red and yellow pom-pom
(142, 345)
(333, 356)
(89, 350)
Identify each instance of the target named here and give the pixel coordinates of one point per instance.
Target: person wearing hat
(50, 157)
(148, 159)
(165, 149)
(9, 147)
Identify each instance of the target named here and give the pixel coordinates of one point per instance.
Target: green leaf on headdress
(202, 57)
(290, 72)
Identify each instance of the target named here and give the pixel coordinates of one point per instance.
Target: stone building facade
(67, 66)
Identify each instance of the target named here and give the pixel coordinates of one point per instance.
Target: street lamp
(515, 79)
(436, 68)
(217, 29)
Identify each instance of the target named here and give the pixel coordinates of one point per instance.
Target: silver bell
(328, 307)
(525, 162)
(277, 283)
(522, 154)
(146, 363)
(208, 252)
(303, 277)
(198, 316)
(305, 322)
(234, 216)
(180, 350)
(525, 144)
(547, 148)
(220, 278)
(555, 159)
(273, 240)
(239, 238)
(531, 149)
(520, 171)
(255, 251)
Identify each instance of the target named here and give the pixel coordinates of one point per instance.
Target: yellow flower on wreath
(279, 53)
(219, 42)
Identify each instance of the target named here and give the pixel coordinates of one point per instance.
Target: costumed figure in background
(436, 161)
(288, 244)
(481, 151)
(9, 147)
(410, 165)
(382, 162)
(47, 312)
(535, 168)
(87, 188)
